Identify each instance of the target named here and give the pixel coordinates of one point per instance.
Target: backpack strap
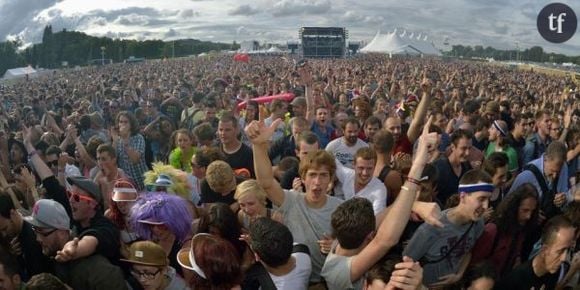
(546, 202)
(384, 173)
(301, 248)
(257, 277)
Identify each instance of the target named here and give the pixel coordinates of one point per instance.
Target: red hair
(219, 261)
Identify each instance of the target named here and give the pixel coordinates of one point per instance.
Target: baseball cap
(146, 253)
(49, 214)
(88, 186)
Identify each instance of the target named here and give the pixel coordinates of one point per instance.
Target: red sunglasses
(78, 197)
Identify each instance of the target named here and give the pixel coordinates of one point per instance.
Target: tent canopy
(393, 43)
(19, 72)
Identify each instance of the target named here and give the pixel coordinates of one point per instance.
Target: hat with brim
(186, 257)
(146, 253)
(151, 222)
(162, 180)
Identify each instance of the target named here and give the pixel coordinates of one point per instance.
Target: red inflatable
(267, 99)
(241, 57)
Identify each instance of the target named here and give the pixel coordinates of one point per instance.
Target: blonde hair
(250, 186)
(220, 176)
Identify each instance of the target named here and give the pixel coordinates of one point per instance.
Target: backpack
(548, 194)
(257, 276)
(188, 122)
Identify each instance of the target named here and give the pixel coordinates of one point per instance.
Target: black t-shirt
(100, 227)
(524, 278)
(32, 261)
(243, 158)
(106, 233)
(448, 181)
(210, 196)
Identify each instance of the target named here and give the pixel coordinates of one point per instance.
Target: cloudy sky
(498, 23)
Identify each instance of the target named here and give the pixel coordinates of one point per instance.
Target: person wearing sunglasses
(149, 265)
(84, 205)
(51, 225)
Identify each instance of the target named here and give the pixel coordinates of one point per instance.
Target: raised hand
(427, 142)
(407, 275)
(259, 133)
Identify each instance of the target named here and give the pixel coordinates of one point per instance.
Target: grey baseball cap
(50, 214)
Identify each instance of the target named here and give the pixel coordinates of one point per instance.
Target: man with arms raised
(307, 215)
(445, 252)
(353, 224)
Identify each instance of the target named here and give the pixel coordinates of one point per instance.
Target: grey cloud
(15, 15)
(188, 13)
(171, 33)
(300, 7)
(244, 10)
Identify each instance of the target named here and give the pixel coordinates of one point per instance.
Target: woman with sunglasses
(150, 267)
(164, 219)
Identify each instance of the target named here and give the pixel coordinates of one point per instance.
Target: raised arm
(389, 233)
(260, 135)
(419, 118)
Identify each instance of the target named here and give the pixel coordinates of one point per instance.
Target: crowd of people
(379, 173)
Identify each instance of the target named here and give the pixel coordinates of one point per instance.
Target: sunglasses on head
(78, 197)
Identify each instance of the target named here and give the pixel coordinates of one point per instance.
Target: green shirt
(509, 151)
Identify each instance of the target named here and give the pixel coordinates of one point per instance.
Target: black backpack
(257, 276)
(548, 194)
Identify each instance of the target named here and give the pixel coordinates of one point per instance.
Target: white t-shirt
(344, 153)
(375, 190)
(298, 278)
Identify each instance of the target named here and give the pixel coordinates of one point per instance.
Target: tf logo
(557, 22)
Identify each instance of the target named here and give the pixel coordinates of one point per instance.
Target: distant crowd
(362, 173)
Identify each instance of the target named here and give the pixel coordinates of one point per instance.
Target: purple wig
(161, 208)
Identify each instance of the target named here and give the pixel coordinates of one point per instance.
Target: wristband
(414, 181)
(32, 153)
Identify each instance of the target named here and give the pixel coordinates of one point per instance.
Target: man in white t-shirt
(360, 182)
(345, 148)
(272, 244)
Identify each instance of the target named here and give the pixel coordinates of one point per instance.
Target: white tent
(20, 72)
(393, 43)
(274, 49)
(390, 43)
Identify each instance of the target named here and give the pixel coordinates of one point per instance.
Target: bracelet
(405, 188)
(32, 153)
(414, 181)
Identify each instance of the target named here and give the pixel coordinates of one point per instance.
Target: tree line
(77, 48)
(533, 54)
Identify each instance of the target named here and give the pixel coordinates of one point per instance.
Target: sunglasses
(43, 233)
(78, 197)
(52, 163)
